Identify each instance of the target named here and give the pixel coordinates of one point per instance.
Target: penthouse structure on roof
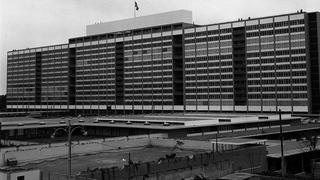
(165, 62)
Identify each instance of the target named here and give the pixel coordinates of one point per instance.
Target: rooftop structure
(173, 17)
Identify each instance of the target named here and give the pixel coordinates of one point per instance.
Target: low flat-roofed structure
(12, 173)
(177, 124)
(179, 16)
(12, 123)
(167, 121)
(185, 120)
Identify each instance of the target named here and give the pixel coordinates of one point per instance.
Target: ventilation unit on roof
(263, 117)
(224, 120)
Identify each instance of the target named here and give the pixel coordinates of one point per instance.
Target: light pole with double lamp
(69, 130)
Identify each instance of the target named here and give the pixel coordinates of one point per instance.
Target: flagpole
(134, 8)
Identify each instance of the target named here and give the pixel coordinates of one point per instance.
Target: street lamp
(283, 166)
(0, 134)
(69, 130)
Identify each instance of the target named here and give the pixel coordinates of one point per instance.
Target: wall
(34, 153)
(39, 152)
(213, 171)
(213, 165)
(3, 176)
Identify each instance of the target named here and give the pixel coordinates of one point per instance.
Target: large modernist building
(165, 62)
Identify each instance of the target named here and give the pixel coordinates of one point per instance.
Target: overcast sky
(34, 23)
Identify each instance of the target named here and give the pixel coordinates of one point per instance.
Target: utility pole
(134, 9)
(69, 149)
(217, 143)
(281, 141)
(0, 134)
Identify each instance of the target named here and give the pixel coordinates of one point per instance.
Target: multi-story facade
(251, 65)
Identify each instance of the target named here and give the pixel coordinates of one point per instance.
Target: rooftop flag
(136, 5)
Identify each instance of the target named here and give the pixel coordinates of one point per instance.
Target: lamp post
(0, 134)
(69, 130)
(283, 170)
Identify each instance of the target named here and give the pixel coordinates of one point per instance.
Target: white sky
(34, 23)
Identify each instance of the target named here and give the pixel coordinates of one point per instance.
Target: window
(20, 178)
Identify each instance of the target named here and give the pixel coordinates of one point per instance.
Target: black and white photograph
(159, 89)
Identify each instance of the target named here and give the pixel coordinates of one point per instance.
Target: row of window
(274, 67)
(208, 90)
(278, 81)
(128, 49)
(250, 96)
(209, 77)
(150, 75)
(278, 96)
(248, 34)
(292, 37)
(26, 61)
(278, 88)
(210, 71)
(277, 60)
(209, 64)
(125, 42)
(208, 39)
(57, 51)
(208, 58)
(277, 74)
(210, 83)
(276, 24)
(252, 27)
(139, 96)
(210, 96)
(112, 88)
(250, 89)
(277, 53)
(277, 46)
(276, 31)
